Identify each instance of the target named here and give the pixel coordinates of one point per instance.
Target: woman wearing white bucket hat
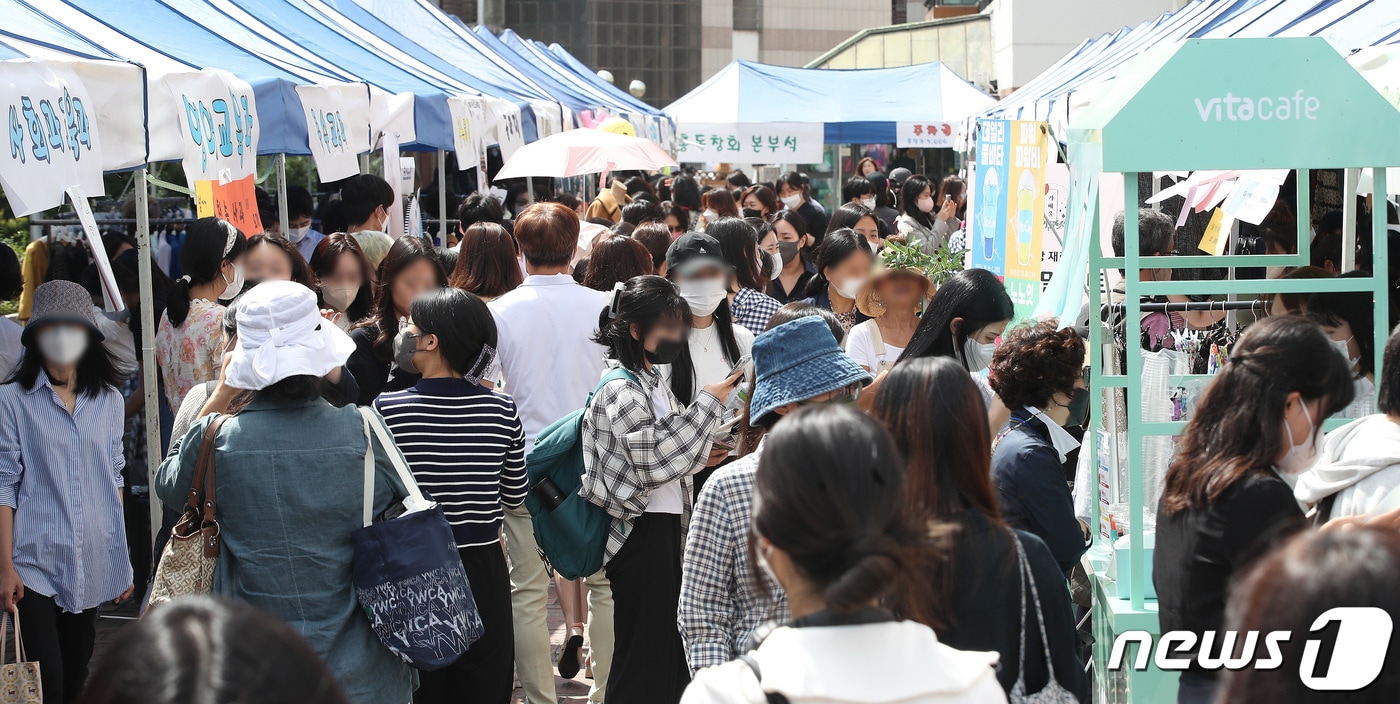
(290, 487)
(60, 487)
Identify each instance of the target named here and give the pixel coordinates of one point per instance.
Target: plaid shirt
(719, 606)
(752, 309)
(628, 452)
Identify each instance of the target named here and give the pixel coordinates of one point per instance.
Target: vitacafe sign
(1265, 108)
(1363, 637)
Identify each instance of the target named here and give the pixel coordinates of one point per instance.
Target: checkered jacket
(719, 605)
(628, 452)
(752, 309)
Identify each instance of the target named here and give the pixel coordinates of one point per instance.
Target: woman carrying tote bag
(291, 486)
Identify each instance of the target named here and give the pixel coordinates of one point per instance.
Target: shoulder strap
(608, 378)
(201, 496)
(373, 423)
(773, 697)
(876, 339)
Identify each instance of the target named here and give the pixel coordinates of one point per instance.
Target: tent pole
(530, 186)
(1350, 177)
(282, 195)
(442, 195)
(154, 449)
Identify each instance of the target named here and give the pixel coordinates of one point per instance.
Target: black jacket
(373, 375)
(986, 598)
(1032, 491)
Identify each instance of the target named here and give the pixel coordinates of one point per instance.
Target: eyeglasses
(843, 395)
(677, 230)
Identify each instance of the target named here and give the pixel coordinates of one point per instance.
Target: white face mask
(775, 264)
(792, 201)
(703, 295)
(234, 287)
(868, 201)
(297, 234)
(850, 288)
(339, 297)
(1299, 458)
(1063, 442)
(710, 214)
(764, 565)
(63, 344)
(1341, 346)
(978, 356)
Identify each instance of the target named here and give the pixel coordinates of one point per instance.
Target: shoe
(571, 658)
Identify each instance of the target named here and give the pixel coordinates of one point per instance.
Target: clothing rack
(1190, 306)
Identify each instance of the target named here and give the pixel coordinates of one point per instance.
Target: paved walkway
(573, 691)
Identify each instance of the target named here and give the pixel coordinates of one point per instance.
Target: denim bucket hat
(796, 361)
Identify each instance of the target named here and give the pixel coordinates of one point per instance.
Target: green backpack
(572, 533)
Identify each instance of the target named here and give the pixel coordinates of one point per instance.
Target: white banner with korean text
(925, 135)
(217, 116)
(469, 127)
(509, 134)
(337, 127)
(53, 141)
(751, 143)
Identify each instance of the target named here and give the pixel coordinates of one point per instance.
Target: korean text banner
(469, 126)
(218, 123)
(925, 135)
(987, 222)
(752, 143)
(52, 135)
(337, 127)
(509, 133)
(1008, 206)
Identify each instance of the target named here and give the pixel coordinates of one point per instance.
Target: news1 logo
(1363, 637)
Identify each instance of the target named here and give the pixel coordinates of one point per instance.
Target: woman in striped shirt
(466, 447)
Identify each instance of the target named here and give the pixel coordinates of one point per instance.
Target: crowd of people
(825, 478)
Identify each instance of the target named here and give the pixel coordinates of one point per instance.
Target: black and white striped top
(466, 447)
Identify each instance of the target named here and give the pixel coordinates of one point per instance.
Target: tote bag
(407, 573)
(19, 681)
(187, 562)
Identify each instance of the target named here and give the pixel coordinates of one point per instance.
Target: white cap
(281, 334)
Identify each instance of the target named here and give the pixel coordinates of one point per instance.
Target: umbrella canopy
(584, 151)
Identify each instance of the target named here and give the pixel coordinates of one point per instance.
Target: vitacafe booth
(1247, 104)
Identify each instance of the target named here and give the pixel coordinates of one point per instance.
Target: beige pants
(529, 597)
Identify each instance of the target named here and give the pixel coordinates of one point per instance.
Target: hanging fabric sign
(468, 127)
(234, 201)
(924, 135)
(548, 118)
(752, 143)
(393, 173)
(508, 131)
(218, 120)
(391, 113)
(52, 133)
(337, 127)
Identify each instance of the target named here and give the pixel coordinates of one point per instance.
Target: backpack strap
(608, 378)
(773, 697)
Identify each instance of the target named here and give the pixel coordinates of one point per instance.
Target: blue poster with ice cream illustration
(988, 219)
(1009, 204)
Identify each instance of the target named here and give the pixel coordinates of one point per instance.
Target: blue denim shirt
(290, 482)
(62, 473)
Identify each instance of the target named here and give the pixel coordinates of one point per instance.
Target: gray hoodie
(1360, 463)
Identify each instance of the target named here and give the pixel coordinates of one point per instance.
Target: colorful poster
(218, 119)
(337, 127)
(52, 132)
(1029, 145)
(234, 201)
(752, 143)
(925, 135)
(987, 212)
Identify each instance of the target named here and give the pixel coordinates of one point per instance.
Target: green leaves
(938, 267)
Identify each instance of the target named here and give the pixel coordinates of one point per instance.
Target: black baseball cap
(692, 251)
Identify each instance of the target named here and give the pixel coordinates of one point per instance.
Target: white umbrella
(584, 151)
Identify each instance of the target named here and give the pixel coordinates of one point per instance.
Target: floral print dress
(190, 354)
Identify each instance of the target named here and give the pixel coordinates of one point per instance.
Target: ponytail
(209, 242)
(683, 379)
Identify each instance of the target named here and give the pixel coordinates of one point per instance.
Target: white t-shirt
(546, 350)
(860, 345)
(707, 356)
(669, 497)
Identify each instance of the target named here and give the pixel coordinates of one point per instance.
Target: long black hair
(406, 251)
(325, 258)
(201, 259)
(685, 192)
(1356, 309)
(96, 372)
(644, 302)
(836, 247)
(848, 214)
(460, 320)
(738, 244)
(975, 295)
(683, 379)
(909, 199)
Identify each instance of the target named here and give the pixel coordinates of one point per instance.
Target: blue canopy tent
(540, 57)
(575, 98)
(571, 63)
(861, 106)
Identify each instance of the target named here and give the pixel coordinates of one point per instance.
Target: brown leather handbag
(187, 563)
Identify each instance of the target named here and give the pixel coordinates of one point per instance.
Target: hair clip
(483, 363)
(616, 301)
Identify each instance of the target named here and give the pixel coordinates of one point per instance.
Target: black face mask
(751, 213)
(666, 351)
(1078, 408)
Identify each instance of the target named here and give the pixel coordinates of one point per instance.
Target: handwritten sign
(1251, 200)
(925, 135)
(509, 133)
(337, 127)
(751, 143)
(468, 129)
(218, 120)
(549, 119)
(51, 131)
(235, 201)
(1217, 233)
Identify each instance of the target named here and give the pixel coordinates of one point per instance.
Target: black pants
(648, 664)
(61, 642)
(485, 673)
